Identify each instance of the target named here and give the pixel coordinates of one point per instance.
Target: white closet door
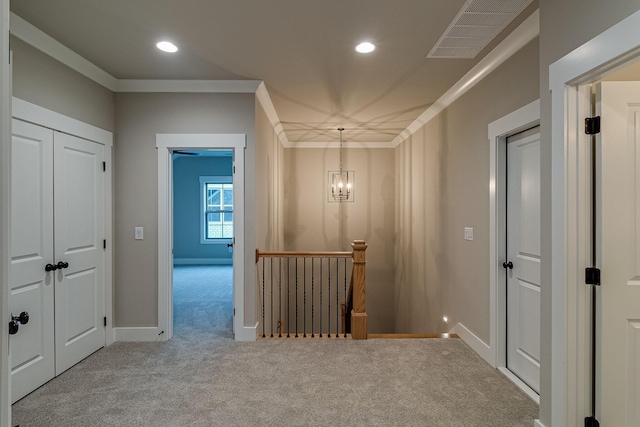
(31, 287)
(523, 251)
(79, 234)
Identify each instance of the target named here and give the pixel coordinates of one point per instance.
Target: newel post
(359, 312)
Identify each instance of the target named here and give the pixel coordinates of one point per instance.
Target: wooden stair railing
(309, 287)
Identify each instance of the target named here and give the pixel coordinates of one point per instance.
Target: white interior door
(79, 237)
(523, 252)
(618, 104)
(31, 287)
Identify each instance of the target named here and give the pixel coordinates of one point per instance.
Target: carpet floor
(203, 378)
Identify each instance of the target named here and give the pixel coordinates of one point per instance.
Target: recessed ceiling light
(167, 47)
(365, 47)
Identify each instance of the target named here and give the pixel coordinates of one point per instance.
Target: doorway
(514, 123)
(568, 313)
(522, 265)
(202, 284)
(167, 144)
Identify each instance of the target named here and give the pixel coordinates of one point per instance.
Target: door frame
(166, 144)
(567, 338)
(32, 113)
(521, 119)
(5, 190)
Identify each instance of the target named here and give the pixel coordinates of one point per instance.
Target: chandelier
(341, 181)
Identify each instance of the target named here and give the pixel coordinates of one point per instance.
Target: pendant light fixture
(341, 181)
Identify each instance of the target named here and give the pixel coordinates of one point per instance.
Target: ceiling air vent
(477, 23)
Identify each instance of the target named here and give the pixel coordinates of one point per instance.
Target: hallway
(203, 378)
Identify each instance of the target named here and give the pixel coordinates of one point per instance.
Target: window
(216, 209)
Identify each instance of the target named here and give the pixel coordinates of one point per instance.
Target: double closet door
(57, 269)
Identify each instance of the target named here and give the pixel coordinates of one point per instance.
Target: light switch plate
(468, 233)
(139, 233)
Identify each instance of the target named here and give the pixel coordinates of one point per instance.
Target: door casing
(521, 119)
(564, 366)
(166, 143)
(35, 114)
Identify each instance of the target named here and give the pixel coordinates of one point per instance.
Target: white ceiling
(301, 49)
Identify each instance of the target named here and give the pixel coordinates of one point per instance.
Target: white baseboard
(247, 333)
(521, 384)
(474, 342)
(141, 334)
(537, 423)
(203, 261)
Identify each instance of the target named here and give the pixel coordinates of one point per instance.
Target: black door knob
(62, 264)
(23, 318)
(50, 267)
(508, 265)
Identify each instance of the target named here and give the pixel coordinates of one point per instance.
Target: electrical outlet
(139, 233)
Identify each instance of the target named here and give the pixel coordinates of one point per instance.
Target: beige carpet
(204, 378)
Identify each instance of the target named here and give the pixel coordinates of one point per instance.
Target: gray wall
(42, 80)
(564, 26)
(186, 207)
(139, 117)
(442, 176)
(312, 223)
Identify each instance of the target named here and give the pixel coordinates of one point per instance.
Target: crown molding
(50, 46)
(336, 144)
(262, 94)
(194, 86)
(523, 34)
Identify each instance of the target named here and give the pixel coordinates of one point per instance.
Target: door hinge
(105, 320)
(592, 276)
(592, 125)
(234, 169)
(104, 166)
(104, 244)
(234, 311)
(591, 422)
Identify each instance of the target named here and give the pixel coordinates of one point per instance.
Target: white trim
(472, 340)
(584, 65)
(520, 384)
(5, 190)
(262, 94)
(108, 253)
(53, 48)
(165, 144)
(203, 261)
(194, 86)
(336, 144)
(203, 180)
(29, 112)
(139, 334)
(247, 333)
(516, 121)
(50, 46)
(523, 34)
(537, 423)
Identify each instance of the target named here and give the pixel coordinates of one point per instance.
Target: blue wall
(186, 208)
